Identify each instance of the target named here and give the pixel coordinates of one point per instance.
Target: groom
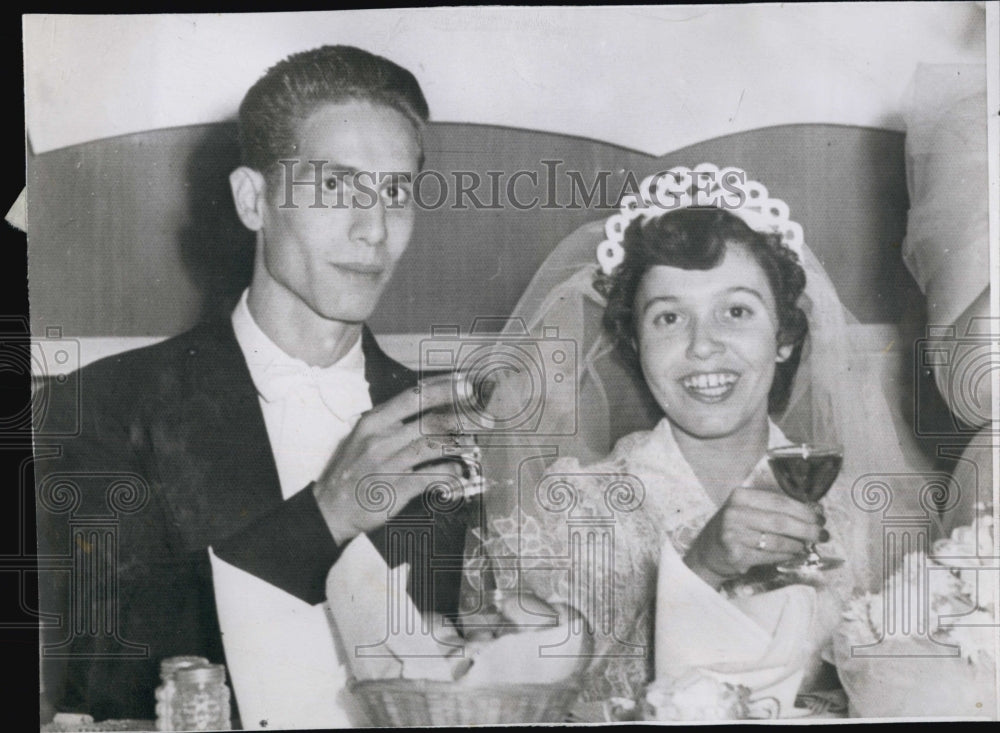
(244, 441)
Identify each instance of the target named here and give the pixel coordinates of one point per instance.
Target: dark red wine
(805, 475)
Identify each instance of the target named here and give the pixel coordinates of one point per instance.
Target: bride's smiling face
(708, 343)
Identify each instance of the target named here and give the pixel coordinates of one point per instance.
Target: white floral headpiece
(705, 185)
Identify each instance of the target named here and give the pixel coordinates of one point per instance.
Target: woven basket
(405, 702)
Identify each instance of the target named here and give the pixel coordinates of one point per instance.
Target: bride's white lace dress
(642, 494)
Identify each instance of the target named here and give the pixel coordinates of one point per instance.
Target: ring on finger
(762, 542)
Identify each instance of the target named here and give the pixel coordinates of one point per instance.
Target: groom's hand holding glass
(387, 439)
(754, 527)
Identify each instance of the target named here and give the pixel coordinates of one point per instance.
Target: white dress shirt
(283, 664)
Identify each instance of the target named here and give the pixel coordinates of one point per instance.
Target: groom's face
(337, 257)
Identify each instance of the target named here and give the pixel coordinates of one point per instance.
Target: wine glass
(806, 472)
(487, 619)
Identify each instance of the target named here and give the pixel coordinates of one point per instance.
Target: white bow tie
(344, 390)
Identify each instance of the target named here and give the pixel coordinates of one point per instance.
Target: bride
(718, 315)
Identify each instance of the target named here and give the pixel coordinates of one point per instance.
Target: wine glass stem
(811, 551)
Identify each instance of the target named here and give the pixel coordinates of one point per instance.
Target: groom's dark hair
(294, 88)
(696, 238)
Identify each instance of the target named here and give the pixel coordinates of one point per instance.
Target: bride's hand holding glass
(753, 527)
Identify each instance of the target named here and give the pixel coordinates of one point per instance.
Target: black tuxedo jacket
(173, 456)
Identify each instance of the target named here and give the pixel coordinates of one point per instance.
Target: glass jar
(201, 699)
(165, 692)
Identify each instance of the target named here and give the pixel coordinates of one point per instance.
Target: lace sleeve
(577, 545)
(562, 544)
(527, 550)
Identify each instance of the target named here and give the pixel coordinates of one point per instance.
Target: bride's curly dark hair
(696, 239)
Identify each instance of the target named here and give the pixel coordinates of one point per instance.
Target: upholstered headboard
(136, 235)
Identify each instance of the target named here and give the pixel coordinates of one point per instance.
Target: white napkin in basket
(759, 641)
